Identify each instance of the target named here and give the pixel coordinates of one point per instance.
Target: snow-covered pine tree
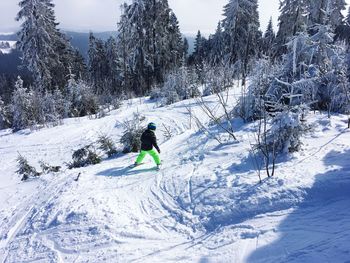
(197, 56)
(292, 20)
(133, 38)
(313, 71)
(241, 26)
(98, 65)
(53, 105)
(123, 48)
(45, 50)
(25, 169)
(22, 107)
(216, 54)
(148, 28)
(81, 100)
(325, 12)
(347, 18)
(5, 115)
(268, 40)
(78, 65)
(342, 32)
(186, 47)
(36, 40)
(175, 43)
(113, 67)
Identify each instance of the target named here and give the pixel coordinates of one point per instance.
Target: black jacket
(148, 140)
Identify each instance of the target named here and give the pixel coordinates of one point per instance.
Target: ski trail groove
(45, 194)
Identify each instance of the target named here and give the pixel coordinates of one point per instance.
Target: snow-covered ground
(8, 50)
(205, 205)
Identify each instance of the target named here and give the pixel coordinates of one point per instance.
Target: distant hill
(8, 37)
(78, 40)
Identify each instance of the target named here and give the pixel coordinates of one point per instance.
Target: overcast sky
(103, 15)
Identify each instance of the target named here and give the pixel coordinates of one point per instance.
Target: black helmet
(152, 126)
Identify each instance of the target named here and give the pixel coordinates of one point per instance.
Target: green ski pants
(152, 152)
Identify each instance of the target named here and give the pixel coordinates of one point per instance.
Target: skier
(148, 141)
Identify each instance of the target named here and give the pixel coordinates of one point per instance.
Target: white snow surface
(205, 205)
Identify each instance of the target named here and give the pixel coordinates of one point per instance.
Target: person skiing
(148, 141)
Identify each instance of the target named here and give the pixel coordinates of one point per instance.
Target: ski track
(203, 206)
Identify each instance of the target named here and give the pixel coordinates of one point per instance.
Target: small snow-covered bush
(179, 85)
(277, 135)
(252, 101)
(22, 107)
(116, 103)
(82, 99)
(284, 135)
(84, 156)
(249, 107)
(156, 93)
(107, 145)
(170, 95)
(5, 115)
(53, 108)
(25, 169)
(217, 79)
(31, 107)
(133, 129)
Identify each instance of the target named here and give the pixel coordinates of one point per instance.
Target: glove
(159, 151)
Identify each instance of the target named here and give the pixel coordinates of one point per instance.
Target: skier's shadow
(123, 171)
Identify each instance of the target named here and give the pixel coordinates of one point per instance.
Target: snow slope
(205, 205)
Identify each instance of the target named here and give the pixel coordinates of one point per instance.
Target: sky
(103, 15)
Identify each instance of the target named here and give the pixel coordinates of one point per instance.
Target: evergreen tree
(175, 42)
(185, 46)
(291, 21)
(46, 51)
(113, 66)
(36, 39)
(347, 19)
(336, 12)
(98, 65)
(81, 100)
(217, 47)
(150, 43)
(137, 58)
(268, 39)
(342, 31)
(198, 54)
(241, 26)
(22, 107)
(78, 65)
(324, 12)
(5, 115)
(314, 70)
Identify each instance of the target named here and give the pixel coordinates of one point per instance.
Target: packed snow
(205, 205)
